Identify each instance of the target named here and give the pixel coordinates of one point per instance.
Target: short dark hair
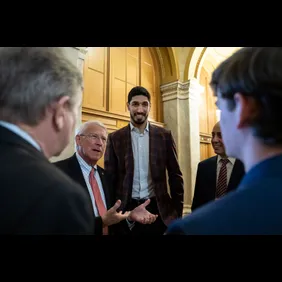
(138, 90)
(255, 72)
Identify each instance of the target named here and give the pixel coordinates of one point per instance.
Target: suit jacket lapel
(213, 174)
(129, 161)
(77, 173)
(154, 145)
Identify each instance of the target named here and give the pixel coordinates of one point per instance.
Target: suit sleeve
(197, 197)
(175, 176)
(63, 213)
(77, 217)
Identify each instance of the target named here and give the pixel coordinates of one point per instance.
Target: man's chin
(218, 152)
(138, 121)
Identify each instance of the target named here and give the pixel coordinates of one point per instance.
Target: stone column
(181, 116)
(76, 55)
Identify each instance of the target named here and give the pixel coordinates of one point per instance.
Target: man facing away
(40, 95)
(138, 157)
(82, 167)
(217, 175)
(248, 86)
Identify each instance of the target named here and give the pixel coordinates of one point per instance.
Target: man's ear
(246, 109)
(77, 140)
(127, 104)
(60, 109)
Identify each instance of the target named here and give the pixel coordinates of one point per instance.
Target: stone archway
(167, 64)
(194, 62)
(200, 56)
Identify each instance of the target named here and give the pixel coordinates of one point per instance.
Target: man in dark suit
(40, 94)
(91, 142)
(138, 156)
(249, 94)
(220, 167)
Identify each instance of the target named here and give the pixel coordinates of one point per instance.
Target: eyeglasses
(94, 137)
(137, 104)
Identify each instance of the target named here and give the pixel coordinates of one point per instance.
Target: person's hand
(141, 215)
(112, 216)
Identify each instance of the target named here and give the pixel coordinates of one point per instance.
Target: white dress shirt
(142, 182)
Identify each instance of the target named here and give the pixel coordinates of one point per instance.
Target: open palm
(141, 215)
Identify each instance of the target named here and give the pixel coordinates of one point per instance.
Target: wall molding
(186, 209)
(181, 90)
(205, 138)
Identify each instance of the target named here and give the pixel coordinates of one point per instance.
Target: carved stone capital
(181, 91)
(169, 91)
(174, 90)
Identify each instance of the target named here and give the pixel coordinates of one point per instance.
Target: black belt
(138, 202)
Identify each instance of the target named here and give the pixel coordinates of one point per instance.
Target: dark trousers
(156, 228)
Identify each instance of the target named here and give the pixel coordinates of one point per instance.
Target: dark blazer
(205, 185)
(35, 196)
(71, 167)
(162, 157)
(254, 208)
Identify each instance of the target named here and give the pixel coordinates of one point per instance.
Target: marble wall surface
(181, 116)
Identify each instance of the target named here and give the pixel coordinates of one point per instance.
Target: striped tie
(221, 187)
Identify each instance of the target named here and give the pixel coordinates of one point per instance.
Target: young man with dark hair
(138, 156)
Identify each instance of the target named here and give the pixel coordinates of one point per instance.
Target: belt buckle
(142, 201)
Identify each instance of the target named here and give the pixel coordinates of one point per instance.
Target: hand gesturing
(112, 216)
(141, 215)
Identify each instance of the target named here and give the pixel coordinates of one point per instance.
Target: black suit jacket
(205, 186)
(35, 196)
(72, 168)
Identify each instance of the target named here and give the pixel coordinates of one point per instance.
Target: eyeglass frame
(93, 137)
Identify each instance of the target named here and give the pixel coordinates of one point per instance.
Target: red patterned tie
(98, 198)
(221, 187)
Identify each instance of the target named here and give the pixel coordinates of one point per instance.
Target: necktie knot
(224, 161)
(92, 172)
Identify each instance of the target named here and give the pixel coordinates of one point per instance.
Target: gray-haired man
(82, 167)
(40, 95)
